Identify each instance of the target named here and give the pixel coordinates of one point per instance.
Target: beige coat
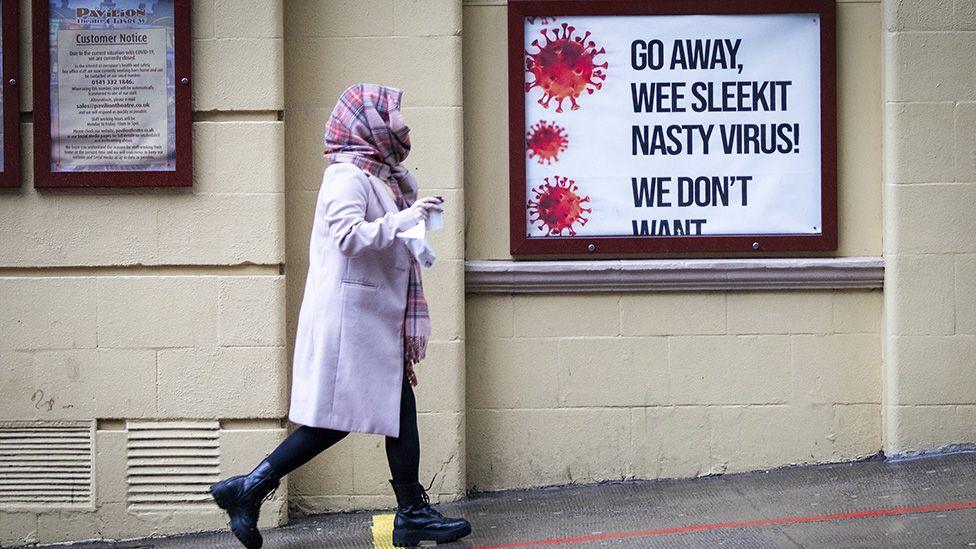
(348, 364)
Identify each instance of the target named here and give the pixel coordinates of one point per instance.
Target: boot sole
(412, 538)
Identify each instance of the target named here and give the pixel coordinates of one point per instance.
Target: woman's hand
(422, 206)
(411, 375)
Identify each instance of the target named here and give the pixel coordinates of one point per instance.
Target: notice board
(10, 96)
(112, 93)
(672, 126)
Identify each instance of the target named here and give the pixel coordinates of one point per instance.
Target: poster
(653, 126)
(112, 85)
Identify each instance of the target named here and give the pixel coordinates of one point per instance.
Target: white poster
(112, 89)
(674, 125)
(112, 97)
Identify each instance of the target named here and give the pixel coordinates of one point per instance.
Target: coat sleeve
(345, 196)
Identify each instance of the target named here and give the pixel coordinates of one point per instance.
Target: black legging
(403, 453)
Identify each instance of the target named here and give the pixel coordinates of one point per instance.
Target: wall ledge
(661, 275)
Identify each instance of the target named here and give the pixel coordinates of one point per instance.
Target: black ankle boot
(417, 521)
(241, 497)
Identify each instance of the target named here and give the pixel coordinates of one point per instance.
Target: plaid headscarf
(367, 130)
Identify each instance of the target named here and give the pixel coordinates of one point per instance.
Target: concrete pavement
(922, 502)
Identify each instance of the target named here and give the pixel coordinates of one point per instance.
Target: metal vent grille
(46, 463)
(172, 463)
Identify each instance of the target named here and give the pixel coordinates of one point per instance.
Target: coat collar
(384, 194)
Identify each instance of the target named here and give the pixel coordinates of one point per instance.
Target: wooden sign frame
(521, 245)
(44, 176)
(10, 174)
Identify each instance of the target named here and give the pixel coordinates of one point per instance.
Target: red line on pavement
(892, 511)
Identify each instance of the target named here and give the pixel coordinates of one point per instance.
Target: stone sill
(663, 275)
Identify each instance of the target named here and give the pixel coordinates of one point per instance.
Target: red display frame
(182, 176)
(10, 174)
(522, 245)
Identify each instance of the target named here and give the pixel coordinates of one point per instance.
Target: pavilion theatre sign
(672, 126)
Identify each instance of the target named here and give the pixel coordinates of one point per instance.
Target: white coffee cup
(435, 220)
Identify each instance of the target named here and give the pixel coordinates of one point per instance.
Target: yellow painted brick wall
(930, 188)
(581, 388)
(585, 387)
(124, 304)
(414, 45)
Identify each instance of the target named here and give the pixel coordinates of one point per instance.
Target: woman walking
(363, 323)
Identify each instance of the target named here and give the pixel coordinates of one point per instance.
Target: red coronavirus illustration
(545, 140)
(544, 20)
(564, 66)
(557, 206)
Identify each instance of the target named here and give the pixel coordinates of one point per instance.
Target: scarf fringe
(415, 348)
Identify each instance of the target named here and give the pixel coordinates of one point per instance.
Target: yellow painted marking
(383, 531)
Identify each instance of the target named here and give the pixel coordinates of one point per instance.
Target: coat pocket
(360, 284)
